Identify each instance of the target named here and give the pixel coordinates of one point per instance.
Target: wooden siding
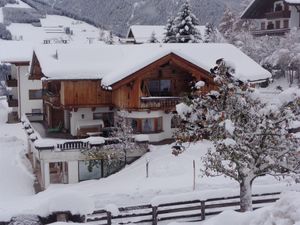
(84, 93)
(128, 92)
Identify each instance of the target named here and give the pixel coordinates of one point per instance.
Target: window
(58, 172)
(35, 94)
(148, 125)
(159, 124)
(270, 26)
(88, 170)
(277, 24)
(285, 24)
(263, 26)
(36, 111)
(159, 87)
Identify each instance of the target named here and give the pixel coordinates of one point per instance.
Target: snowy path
(16, 180)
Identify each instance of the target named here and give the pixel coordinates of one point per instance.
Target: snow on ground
(16, 180)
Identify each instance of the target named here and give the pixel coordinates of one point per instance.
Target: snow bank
(70, 201)
(286, 211)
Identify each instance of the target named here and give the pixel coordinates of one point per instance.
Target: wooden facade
(133, 91)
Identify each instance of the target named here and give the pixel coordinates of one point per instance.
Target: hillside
(118, 15)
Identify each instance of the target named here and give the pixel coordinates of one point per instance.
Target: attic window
(159, 87)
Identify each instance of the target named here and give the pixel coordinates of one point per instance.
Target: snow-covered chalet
(85, 87)
(273, 17)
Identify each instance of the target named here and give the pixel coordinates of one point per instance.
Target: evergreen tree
(250, 139)
(185, 25)
(170, 33)
(210, 35)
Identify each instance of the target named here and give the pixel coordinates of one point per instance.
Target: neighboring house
(85, 88)
(273, 17)
(25, 95)
(139, 34)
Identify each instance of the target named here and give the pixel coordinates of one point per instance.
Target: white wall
(26, 105)
(88, 116)
(294, 21)
(166, 117)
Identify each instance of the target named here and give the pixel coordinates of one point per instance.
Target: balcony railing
(159, 102)
(52, 99)
(271, 32)
(278, 15)
(12, 102)
(11, 83)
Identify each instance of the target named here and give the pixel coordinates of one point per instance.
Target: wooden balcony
(12, 102)
(12, 83)
(52, 99)
(278, 15)
(163, 103)
(270, 32)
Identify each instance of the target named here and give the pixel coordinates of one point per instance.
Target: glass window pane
(148, 125)
(86, 174)
(165, 86)
(153, 86)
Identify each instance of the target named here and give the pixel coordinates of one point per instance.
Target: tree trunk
(246, 194)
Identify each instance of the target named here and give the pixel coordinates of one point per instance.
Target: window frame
(32, 94)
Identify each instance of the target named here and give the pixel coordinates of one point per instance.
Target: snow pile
(286, 211)
(73, 202)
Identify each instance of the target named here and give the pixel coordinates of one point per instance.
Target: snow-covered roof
(142, 33)
(15, 51)
(257, 7)
(112, 63)
(293, 1)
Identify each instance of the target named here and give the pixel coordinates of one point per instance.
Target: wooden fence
(189, 211)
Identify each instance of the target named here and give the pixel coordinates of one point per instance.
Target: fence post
(154, 215)
(108, 218)
(202, 210)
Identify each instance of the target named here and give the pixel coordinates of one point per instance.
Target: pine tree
(210, 35)
(250, 139)
(185, 25)
(170, 33)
